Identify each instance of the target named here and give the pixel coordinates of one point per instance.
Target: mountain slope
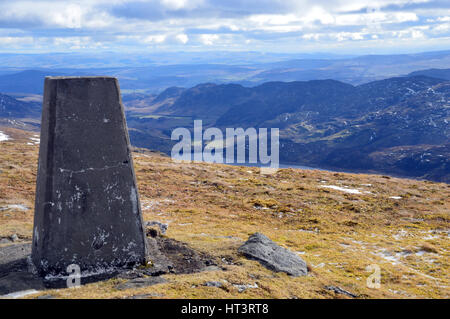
(434, 73)
(152, 75)
(338, 223)
(327, 123)
(29, 81)
(13, 108)
(397, 126)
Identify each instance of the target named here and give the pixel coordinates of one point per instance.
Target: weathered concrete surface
(87, 209)
(259, 247)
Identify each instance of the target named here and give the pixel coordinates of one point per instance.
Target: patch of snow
(242, 288)
(420, 253)
(20, 294)
(36, 140)
(15, 206)
(395, 258)
(402, 233)
(388, 256)
(395, 197)
(313, 231)
(342, 189)
(3, 137)
(435, 233)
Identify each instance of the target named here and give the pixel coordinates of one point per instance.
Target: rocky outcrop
(272, 256)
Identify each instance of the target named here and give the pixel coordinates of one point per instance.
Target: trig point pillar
(87, 209)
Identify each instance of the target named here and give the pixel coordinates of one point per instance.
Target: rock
(141, 282)
(87, 205)
(14, 237)
(145, 296)
(242, 288)
(13, 253)
(45, 297)
(5, 241)
(270, 255)
(341, 291)
(216, 284)
(162, 227)
(212, 268)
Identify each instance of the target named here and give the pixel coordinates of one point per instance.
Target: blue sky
(364, 26)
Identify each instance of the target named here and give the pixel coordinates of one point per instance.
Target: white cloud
(6, 41)
(73, 42)
(441, 28)
(214, 24)
(443, 19)
(319, 14)
(70, 17)
(312, 36)
(182, 38)
(343, 36)
(181, 4)
(208, 39)
(160, 38)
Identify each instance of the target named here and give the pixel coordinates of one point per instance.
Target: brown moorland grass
(401, 225)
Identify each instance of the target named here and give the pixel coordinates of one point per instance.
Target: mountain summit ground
(340, 224)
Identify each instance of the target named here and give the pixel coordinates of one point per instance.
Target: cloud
(14, 41)
(209, 39)
(159, 38)
(173, 24)
(182, 38)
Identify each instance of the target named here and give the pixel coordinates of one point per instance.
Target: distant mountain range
(152, 74)
(434, 73)
(11, 107)
(395, 126)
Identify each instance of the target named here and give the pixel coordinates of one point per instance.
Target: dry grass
(214, 208)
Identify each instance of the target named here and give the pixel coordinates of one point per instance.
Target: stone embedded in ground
(242, 288)
(270, 255)
(87, 209)
(162, 226)
(339, 290)
(145, 296)
(141, 282)
(216, 284)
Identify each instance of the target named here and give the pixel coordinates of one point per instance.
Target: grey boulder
(272, 256)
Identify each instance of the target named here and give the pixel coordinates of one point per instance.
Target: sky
(341, 26)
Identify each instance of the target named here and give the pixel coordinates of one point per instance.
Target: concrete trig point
(87, 209)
